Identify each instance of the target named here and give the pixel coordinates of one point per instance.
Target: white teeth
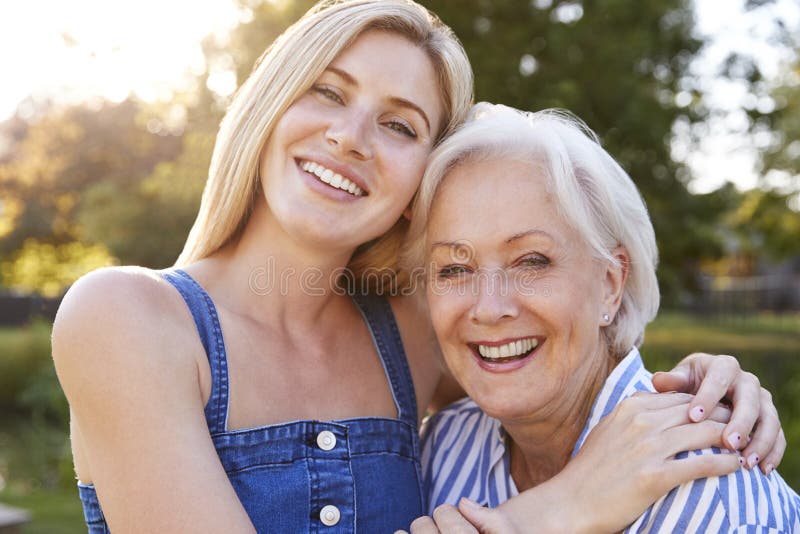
(331, 178)
(514, 348)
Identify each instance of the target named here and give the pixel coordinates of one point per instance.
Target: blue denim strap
(206, 319)
(377, 313)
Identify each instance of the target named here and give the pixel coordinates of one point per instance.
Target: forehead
(493, 199)
(387, 62)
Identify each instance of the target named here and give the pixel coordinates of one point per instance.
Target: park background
(699, 102)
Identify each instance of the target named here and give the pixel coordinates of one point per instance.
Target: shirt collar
(627, 377)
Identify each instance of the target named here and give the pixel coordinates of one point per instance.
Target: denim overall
(353, 475)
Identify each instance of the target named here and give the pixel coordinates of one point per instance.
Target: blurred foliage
(147, 222)
(25, 351)
(34, 445)
(49, 269)
(766, 225)
(66, 151)
(784, 121)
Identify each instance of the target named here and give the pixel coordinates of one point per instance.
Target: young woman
(246, 390)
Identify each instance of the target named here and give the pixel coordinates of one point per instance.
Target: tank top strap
(206, 320)
(378, 315)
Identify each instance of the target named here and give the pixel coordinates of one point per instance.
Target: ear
(616, 276)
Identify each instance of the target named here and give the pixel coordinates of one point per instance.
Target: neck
(541, 445)
(274, 279)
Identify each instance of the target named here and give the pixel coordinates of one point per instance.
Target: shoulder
(745, 500)
(115, 318)
(459, 445)
(460, 425)
(131, 289)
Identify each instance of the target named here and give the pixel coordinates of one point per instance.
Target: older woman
(541, 260)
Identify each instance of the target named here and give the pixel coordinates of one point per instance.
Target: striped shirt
(464, 455)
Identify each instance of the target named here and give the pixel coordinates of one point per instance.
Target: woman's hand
(626, 464)
(714, 378)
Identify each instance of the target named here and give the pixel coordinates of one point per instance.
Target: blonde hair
(594, 195)
(286, 70)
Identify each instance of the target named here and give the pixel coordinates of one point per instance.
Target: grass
(53, 511)
(35, 465)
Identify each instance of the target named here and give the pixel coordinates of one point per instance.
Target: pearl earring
(606, 318)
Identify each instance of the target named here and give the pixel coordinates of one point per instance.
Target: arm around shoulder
(124, 356)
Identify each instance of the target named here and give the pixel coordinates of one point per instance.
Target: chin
(505, 405)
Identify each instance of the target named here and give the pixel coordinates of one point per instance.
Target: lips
(332, 178)
(506, 354)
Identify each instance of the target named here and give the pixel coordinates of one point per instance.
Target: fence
(779, 293)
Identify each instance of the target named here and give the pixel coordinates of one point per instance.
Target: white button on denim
(326, 440)
(329, 515)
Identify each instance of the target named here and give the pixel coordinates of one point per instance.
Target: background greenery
(84, 186)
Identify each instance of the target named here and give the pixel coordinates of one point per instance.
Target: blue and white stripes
(464, 455)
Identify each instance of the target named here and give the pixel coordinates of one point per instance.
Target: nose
(494, 300)
(350, 134)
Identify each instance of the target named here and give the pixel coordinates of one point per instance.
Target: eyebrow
(396, 100)
(532, 231)
(449, 244)
(515, 237)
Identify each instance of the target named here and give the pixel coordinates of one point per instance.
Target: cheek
(405, 169)
(445, 312)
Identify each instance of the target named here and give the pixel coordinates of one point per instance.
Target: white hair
(592, 192)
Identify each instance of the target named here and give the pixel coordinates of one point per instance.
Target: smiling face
(345, 159)
(515, 294)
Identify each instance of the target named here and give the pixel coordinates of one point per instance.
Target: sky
(84, 49)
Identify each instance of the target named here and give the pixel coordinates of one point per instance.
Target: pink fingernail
(741, 461)
(769, 469)
(734, 439)
(752, 460)
(696, 414)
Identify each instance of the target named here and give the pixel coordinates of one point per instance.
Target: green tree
(784, 153)
(54, 161)
(64, 153)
